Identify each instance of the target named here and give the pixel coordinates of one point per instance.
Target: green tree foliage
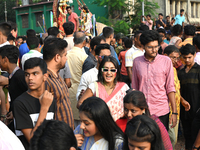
(149, 8)
(118, 13)
(10, 12)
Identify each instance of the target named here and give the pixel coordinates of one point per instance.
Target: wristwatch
(174, 113)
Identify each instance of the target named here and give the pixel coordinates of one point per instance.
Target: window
(25, 21)
(38, 18)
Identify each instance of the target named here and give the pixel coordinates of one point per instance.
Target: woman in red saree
(108, 87)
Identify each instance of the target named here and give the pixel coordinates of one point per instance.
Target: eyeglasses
(106, 70)
(153, 47)
(175, 58)
(102, 57)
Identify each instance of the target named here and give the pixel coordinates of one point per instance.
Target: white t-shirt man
(131, 54)
(30, 54)
(87, 78)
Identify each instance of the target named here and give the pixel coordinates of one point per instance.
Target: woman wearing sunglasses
(108, 87)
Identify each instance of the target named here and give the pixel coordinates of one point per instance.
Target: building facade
(173, 7)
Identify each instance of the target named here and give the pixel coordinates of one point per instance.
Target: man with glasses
(153, 75)
(90, 76)
(173, 53)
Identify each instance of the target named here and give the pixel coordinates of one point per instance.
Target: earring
(143, 113)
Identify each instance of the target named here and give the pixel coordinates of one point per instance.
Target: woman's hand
(80, 139)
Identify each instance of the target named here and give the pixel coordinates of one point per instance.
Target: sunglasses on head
(106, 70)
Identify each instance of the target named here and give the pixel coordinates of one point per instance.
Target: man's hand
(81, 94)
(185, 104)
(46, 99)
(9, 118)
(80, 139)
(10, 115)
(173, 120)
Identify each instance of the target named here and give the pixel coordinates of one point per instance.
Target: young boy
(34, 105)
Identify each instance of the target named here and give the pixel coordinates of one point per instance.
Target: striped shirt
(56, 85)
(131, 54)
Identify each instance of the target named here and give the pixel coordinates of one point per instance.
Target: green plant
(118, 13)
(149, 8)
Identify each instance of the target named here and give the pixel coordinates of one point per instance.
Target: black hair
(196, 41)
(10, 37)
(86, 8)
(114, 61)
(124, 39)
(68, 7)
(30, 33)
(143, 129)
(35, 62)
(143, 27)
(160, 14)
(79, 37)
(136, 34)
(96, 41)
(189, 30)
(11, 52)
(68, 27)
(18, 37)
(32, 42)
(170, 49)
(160, 30)
(150, 36)
(177, 29)
(53, 135)
(128, 43)
(166, 16)
(53, 31)
(24, 38)
(49, 37)
(188, 49)
(148, 15)
(100, 47)
(107, 31)
(181, 10)
(41, 42)
(137, 98)
(13, 25)
(97, 110)
(52, 47)
(5, 28)
(160, 50)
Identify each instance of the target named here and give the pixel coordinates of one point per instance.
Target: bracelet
(174, 113)
(198, 148)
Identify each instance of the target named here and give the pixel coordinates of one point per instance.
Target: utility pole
(143, 10)
(5, 12)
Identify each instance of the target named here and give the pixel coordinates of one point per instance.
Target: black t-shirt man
(26, 112)
(17, 85)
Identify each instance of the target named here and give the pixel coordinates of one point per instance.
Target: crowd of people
(108, 92)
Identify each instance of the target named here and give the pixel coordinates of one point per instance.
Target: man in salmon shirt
(73, 17)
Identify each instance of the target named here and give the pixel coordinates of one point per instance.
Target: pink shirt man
(73, 18)
(148, 24)
(155, 79)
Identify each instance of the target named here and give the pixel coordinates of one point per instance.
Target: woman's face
(131, 111)
(133, 145)
(109, 72)
(88, 126)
